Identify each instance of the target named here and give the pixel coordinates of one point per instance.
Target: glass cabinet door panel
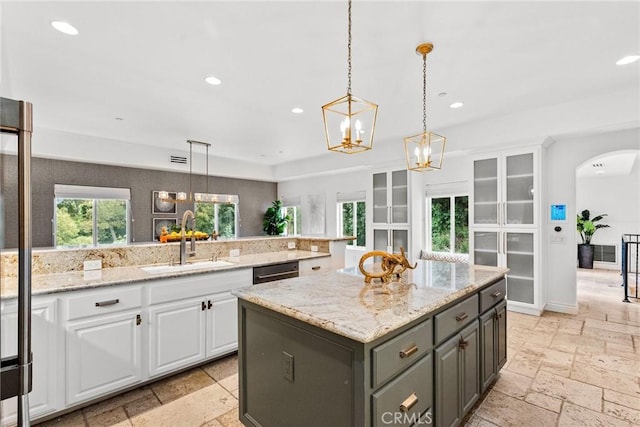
(485, 248)
(380, 240)
(399, 205)
(400, 239)
(519, 189)
(520, 260)
(485, 191)
(380, 206)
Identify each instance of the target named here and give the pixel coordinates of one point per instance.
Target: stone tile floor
(562, 370)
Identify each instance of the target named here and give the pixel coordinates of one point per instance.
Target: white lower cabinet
(222, 324)
(44, 346)
(176, 335)
(103, 345)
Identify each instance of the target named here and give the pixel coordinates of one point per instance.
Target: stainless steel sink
(159, 269)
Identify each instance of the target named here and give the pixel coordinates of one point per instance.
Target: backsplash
(47, 261)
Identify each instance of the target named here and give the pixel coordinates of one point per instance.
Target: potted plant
(274, 221)
(586, 227)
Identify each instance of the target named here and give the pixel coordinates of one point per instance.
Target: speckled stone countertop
(80, 280)
(340, 302)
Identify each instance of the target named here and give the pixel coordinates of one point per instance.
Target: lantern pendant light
(349, 122)
(424, 151)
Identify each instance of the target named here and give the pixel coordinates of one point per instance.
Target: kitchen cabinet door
(44, 346)
(469, 364)
(176, 335)
(103, 354)
(222, 324)
(487, 349)
(447, 393)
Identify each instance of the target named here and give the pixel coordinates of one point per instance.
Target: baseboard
(561, 308)
(518, 308)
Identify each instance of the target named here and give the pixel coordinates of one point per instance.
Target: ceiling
(145, 63)
(617, 163)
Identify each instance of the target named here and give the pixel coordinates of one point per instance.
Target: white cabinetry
(315, 265)
(103, 341)
(390, 213)
(43, 398)
(192, 319)
(505, 222)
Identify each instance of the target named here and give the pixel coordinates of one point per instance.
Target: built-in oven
(272, 272)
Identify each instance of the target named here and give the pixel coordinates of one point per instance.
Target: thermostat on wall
(558, 213)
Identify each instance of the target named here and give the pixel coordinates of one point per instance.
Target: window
(219, 217)
(91, 216)
(352, 217)
(449, 219)
(294, 227)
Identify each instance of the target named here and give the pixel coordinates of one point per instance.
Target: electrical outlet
(92, 265)
(287, 366)
(291, 245)
(314, 248)
(234, 253)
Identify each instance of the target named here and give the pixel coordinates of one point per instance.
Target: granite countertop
(80, 280)
(340, 302)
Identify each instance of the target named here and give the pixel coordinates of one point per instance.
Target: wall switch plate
(291, 245)
(287, 366)
(234, 253)
(314, 248)
(92, 265)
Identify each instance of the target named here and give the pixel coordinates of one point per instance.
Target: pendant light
(349, 121)
(183, 197)
(424, 151)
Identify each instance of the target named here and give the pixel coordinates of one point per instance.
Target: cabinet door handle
(138, 320)
(408, 352)
(209, 304)
(408, 403)
(107, 303)
(504, 247)
(504, 213)
(315, 268)
(460, 317)
(498, 214)
(204, 306)
(463, 344)
(496, 294)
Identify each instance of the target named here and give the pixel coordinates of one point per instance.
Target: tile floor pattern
(562, 370)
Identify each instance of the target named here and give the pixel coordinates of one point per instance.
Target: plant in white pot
(586, 227)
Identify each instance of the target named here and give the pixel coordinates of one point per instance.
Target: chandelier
(424, 151)
(349, 121)
(183, 197)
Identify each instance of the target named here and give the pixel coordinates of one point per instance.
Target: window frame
(452, 214)
(340, 222)
(216, 218)
(294, 220)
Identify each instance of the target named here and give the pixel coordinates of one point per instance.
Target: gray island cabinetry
(326, 350)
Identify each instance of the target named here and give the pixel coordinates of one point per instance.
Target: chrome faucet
(183, 242)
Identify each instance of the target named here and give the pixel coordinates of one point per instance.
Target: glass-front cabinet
(390, 214)
(505, 222)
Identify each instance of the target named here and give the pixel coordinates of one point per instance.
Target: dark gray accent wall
(255, 196)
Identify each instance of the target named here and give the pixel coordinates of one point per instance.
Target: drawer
(315, 265)
(455, 318)
(95, 303)
(401, 351)
(492, 295)
(273, 272)
(403, 400)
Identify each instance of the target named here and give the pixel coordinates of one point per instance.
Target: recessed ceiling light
(599, 172)
(64, 27)
(119, 119)
(297, 110)
(442, 94)
(212, 80)
(627, 60)
(456, 105)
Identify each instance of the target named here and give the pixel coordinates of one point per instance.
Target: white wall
(561, 160)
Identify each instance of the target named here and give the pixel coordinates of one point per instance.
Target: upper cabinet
(390, 197)
(504, 193)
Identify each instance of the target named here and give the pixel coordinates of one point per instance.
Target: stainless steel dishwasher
(273, 272)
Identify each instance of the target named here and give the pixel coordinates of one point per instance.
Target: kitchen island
(328, 350)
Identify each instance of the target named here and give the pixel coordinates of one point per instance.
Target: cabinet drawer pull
(460, 317)
(316, 268)
(204, 306)
(496, 294)
(108, 302)
(409, 402)
(209, 305)
(138, 319)
(408, 352)
(463, 344)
